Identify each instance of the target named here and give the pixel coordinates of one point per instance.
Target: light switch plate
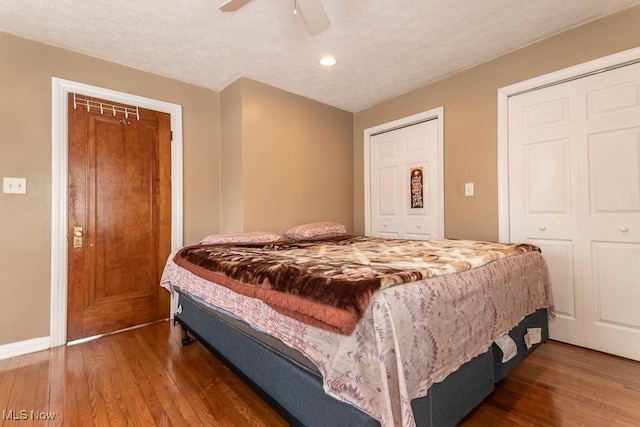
(12, 185)
(468, 189)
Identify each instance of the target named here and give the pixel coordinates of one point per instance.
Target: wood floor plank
(56, 375)
(146, 377)
(137, 408)
(4, 367)
(23, 399)
(7, 381)
(241, 405)
(601, 385)
(141, 384)
(563, 385)
(192, 382)
(100, 400)
(109, 380)
(41, 404)
(78, 410)
(157, 385)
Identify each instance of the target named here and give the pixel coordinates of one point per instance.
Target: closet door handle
(542, 228)
(624, 229)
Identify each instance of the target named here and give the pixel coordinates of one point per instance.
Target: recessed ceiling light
(328, 61)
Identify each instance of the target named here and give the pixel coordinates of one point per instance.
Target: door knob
(542, 228)
(624, 229)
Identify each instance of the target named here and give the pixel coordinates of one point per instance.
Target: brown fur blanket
(329, 283)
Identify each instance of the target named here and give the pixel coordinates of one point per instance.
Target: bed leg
(186, 339)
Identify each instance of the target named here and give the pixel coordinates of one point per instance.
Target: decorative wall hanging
(417, 188)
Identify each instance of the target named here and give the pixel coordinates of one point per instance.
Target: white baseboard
(23, 347)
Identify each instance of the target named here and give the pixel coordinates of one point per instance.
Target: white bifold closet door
(405, 189)
(574, 190)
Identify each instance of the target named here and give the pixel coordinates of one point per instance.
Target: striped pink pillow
(248, 237)
(315, 230)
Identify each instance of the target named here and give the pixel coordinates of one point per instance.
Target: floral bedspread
(329, 283)
(411, 336)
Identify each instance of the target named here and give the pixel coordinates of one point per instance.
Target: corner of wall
(231, 188)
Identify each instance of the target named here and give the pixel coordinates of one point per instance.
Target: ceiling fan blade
(314, 15)
(231, 5)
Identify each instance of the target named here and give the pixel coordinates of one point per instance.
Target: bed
(354, 330)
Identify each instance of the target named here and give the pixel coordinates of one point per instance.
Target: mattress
(289, 353)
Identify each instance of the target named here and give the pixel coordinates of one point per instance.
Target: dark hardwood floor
(145, 377)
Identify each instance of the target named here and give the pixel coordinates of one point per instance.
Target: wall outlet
(14, 185)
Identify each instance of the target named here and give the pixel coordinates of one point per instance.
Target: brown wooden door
(120, 195)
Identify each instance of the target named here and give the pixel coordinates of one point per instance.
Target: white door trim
(437, 114)
(59, 183)
(503, 122)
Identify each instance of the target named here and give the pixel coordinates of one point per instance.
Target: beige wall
(26, 68)
(470, 117)
(287, 160)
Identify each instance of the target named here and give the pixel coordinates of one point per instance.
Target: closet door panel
(609, 107)
(543, 188)
(404, 182)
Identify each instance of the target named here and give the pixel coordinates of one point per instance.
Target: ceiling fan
(312, 11)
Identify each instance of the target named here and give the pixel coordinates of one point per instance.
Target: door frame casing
(59, 186)
(433, 114)
(574, 72)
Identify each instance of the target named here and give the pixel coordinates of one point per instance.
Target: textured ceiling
(385, 48)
